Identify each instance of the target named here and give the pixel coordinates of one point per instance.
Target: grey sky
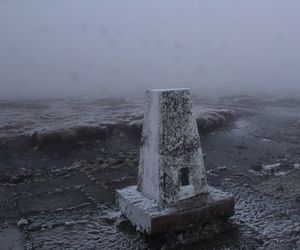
(103, 47)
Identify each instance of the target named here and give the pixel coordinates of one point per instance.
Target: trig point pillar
(172, 192)
(171, 164)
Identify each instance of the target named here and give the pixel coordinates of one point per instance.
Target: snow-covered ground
(60, 197)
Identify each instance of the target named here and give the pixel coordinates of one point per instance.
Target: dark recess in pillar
(184, 176)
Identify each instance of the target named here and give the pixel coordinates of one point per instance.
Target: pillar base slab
(151, 218)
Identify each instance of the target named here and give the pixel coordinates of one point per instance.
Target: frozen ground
(62, 160)
(74, 119)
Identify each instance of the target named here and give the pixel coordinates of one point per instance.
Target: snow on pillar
(171, 163)
(172, 193)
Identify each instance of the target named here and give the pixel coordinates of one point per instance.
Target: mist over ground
(105, 48)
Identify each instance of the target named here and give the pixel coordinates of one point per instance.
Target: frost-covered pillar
(171, 163)
(172, 193)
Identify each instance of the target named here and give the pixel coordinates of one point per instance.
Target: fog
(56, 48)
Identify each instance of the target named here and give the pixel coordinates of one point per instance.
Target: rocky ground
(59, 194)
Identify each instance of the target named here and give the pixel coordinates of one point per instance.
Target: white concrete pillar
(171, 164)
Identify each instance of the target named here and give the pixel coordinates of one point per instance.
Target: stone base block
(151, 218)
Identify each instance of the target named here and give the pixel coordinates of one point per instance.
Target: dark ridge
(75, 136)
(288, 102)
(71, 135)
(22, 105)
(213, 120)
(111, 101)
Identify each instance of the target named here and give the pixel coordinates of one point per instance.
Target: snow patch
(297, 165)
(271, 167)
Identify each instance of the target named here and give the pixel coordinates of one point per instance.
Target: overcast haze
(114, 47)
